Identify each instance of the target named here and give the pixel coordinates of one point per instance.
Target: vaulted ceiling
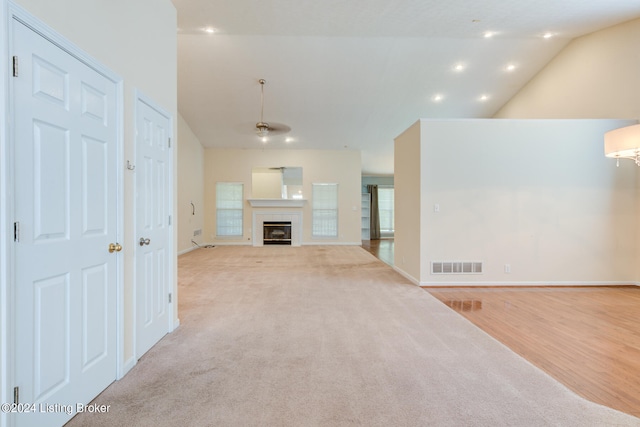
(355, 74)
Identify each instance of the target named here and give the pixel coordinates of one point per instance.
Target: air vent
(456, 267)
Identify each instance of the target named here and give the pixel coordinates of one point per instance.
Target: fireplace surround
(260, 216)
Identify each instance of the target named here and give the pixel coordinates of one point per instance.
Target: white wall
(136, 40)
(190, 187)
(319, 166)
(538, 195)
(595, 76)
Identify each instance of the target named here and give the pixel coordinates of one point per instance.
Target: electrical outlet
(507, 268)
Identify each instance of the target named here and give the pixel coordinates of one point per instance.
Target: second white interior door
(153, 226)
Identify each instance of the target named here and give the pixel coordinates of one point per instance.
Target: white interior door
(153, 226)
(65, 137)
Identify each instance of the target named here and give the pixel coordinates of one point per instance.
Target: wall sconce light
(623, 143)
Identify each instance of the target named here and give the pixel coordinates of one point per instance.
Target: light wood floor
(382, 249)
(588, 338)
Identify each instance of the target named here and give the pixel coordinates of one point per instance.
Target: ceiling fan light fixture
(262, 129)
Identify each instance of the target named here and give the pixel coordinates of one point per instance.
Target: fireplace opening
(276, 233)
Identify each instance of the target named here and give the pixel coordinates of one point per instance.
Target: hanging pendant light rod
(262, 128)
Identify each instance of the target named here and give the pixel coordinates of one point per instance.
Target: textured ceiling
(355, 74)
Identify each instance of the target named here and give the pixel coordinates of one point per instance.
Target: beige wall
(190, 187)
(408, 201)
(319, 166)
(595, 76)
(538, 195)
(136, 40)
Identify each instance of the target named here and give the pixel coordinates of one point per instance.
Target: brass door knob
(114, 247)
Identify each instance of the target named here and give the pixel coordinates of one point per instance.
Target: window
(385, 210)
(229, 202)
(325, 210)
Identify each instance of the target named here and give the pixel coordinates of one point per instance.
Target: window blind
(229, 208)
(324, 210)
(385, 209)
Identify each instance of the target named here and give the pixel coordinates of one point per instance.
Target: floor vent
(456, 267)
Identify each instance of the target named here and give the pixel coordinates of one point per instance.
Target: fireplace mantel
(277, 203)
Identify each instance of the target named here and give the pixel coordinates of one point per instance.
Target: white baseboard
(522, 284)
(508, 284)
(317, 243)
(407, 276)
(128, 365)
(186, 251)
(231, 243)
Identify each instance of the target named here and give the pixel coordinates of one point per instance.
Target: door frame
(8, 13)
(172, 323)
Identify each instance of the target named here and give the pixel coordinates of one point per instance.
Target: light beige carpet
(328, 336)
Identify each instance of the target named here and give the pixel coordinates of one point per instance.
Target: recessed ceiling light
(489, 34)
(510, 67)
(209, 30)
(547, 35)
(484, 98)
(459, 67)
(288, 139)
(437, 97)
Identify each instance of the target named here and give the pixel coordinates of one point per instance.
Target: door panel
(95, 331)
(65, 202)
(153, 201)
(94, 186)
(51, 182)
(52, 335)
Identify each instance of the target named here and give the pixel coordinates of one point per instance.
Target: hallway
(381, 249)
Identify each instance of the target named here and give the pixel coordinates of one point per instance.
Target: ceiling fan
(264, 129)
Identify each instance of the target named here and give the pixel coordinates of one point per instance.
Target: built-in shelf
(366, 216)
(277, 203)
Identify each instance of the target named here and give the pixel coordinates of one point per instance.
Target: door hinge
(16, 231)
(15, 66)
(16, 395)
(169, 298)
(169, 219)
(169, 142)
